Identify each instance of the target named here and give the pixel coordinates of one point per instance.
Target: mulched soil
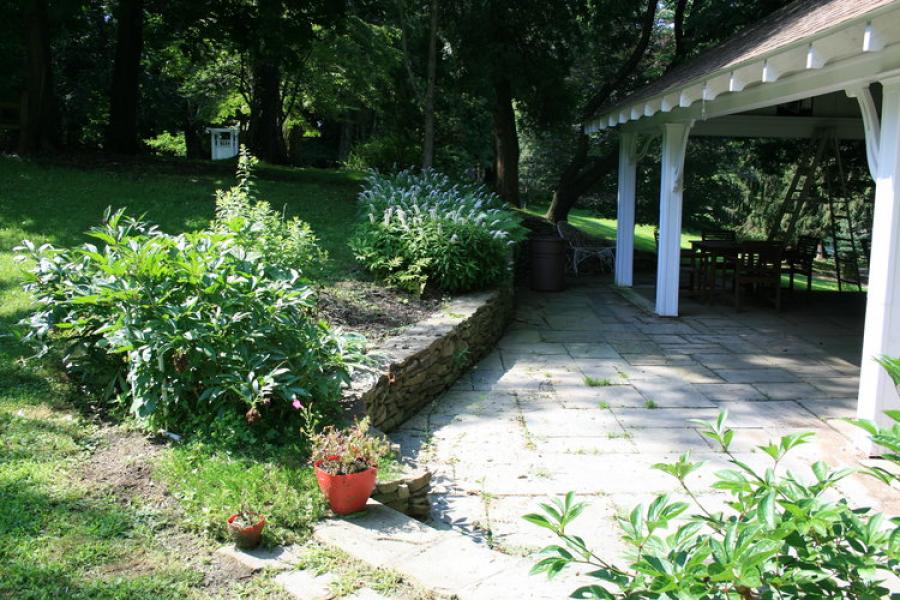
(372, 310)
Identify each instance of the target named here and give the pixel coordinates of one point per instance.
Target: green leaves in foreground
(779, 537)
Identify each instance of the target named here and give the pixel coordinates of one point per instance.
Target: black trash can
(548, 264)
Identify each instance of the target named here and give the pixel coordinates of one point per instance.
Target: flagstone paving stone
(526, 426)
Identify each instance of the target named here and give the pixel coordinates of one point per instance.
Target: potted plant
(246, 527)
(346, 464)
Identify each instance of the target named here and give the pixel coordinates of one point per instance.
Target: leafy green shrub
(421, 230)
(285, 243)
(782, 537)
(190, 327)
(168, 144)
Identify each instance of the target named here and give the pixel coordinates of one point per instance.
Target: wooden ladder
(801, 196)
(843, 235)
(799, 192)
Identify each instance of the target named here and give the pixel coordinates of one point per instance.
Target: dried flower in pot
(246, 528)
(346, 464)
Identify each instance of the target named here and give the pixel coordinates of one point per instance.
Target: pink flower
(297, 404)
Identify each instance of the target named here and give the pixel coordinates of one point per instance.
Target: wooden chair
(585, 246)
(800, 260)
(727, 263)
(759, 266)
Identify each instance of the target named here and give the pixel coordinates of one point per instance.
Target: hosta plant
(421, 230)
(783, 535)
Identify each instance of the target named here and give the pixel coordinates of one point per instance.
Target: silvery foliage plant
(421, 229)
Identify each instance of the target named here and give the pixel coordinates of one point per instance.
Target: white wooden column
(882, 334)
(625, 210)
(674, 145)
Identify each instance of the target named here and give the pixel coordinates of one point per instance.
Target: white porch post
(674, 145)
(625, 210)
(882, 334)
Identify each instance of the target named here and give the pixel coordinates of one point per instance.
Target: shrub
(189, 327)
(421, 230)
(782, 537)
(168, 144)
(285, 243)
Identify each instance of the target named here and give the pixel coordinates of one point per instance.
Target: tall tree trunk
(583, 170)
(122, 136)
(678, 26)
(39, 129)
(506, 144)
(265, 137)
(428, 145)
(193, 141)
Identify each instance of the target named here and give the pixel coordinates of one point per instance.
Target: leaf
(766, 510)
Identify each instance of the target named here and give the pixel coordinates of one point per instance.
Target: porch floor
(587, 391)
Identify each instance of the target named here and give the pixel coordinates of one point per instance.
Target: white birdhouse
(224, 142)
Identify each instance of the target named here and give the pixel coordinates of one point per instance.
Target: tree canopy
(492, 89)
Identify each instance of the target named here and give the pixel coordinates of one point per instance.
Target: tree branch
(627, 68)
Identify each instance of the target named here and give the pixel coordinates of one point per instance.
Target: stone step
(447, 563)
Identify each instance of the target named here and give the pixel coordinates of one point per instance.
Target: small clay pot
(347, 493)
(246, 538)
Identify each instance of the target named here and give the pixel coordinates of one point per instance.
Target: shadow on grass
(60, 546)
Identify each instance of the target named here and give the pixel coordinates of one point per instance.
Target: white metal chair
(585, 246)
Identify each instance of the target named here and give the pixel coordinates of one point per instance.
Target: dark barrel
(548, 264)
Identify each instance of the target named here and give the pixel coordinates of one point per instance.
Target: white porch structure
(757, 85)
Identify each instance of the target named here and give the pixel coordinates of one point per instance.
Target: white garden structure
(223, 142)
(843, 54)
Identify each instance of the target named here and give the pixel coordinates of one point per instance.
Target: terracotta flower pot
(246, 538)
(347, 493)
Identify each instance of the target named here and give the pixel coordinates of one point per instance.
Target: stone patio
(525, 424)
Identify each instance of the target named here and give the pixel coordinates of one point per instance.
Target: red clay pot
(347, 493)
(246, 538)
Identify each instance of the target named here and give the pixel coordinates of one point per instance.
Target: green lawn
(606, 228)
(59, 536)
(57, 204)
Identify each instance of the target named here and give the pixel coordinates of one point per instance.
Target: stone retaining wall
(419, 364)
(407, 494)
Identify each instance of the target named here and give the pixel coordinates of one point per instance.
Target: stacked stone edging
(424, 360)
(407, 494)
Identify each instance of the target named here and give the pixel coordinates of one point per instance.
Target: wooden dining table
(714, 257)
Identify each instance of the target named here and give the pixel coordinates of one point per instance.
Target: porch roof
(791, 46)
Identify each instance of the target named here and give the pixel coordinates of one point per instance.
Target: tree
(584, 170)
(428, 143)
(39, 129)
(274, 37)
(517, 56)
(122, 136)
(696, 26)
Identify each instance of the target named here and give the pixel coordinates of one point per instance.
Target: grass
(211, 484)
(59, 536)
(606, 228)
(58, 203)
(351, 575)
(596, 382)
